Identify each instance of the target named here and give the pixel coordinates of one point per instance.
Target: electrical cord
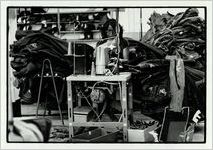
(90, 106)
(93, 87)
(105, 104)
(118, 53)
(105, 101)
(103, 109)
(116, 64)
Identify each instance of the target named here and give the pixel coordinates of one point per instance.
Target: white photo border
(3, 104)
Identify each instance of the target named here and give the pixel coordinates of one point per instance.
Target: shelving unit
(55, 16)
(66, 20)
(76, 31)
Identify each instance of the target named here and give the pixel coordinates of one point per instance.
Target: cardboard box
(138, 135)
(81, 114)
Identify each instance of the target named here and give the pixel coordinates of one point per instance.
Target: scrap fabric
(184, 33)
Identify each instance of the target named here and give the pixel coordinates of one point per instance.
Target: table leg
(124, 110)
(79, 100)
(130, 101)
(70, 108)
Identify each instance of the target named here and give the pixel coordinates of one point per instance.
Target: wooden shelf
(85, 12)
(61, 17)
(39, 23)
(37, 14)
(47, 13)
(65, 32)
(83, 40)
(74, 55)
(85, 21)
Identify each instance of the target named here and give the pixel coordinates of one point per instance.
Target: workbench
(126, 101)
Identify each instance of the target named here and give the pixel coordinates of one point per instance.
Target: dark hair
(113, 23)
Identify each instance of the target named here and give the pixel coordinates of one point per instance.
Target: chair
(48, 62)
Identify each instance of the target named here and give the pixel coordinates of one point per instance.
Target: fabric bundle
(183, 33)
(180, 35)
(29, 52)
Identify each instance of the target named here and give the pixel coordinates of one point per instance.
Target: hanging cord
(93, 87)
(90, 106)
(86, 97)
(105, 104)
(116, 64)
(117, 52)
(103, 109)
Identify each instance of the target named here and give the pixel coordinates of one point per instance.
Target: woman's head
(109, 29)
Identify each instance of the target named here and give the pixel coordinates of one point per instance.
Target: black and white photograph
(94, 75)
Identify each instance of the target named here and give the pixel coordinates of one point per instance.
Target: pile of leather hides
(29, 52)
(182, 35)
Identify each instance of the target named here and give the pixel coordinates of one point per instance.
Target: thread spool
(93, 69)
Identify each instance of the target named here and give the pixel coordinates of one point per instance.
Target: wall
(130, 20)
(13, 92)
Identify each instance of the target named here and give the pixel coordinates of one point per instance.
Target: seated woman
(108, 49)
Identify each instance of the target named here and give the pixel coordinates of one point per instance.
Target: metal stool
(47, 61)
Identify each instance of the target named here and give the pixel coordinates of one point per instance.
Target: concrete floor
(30, 111)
